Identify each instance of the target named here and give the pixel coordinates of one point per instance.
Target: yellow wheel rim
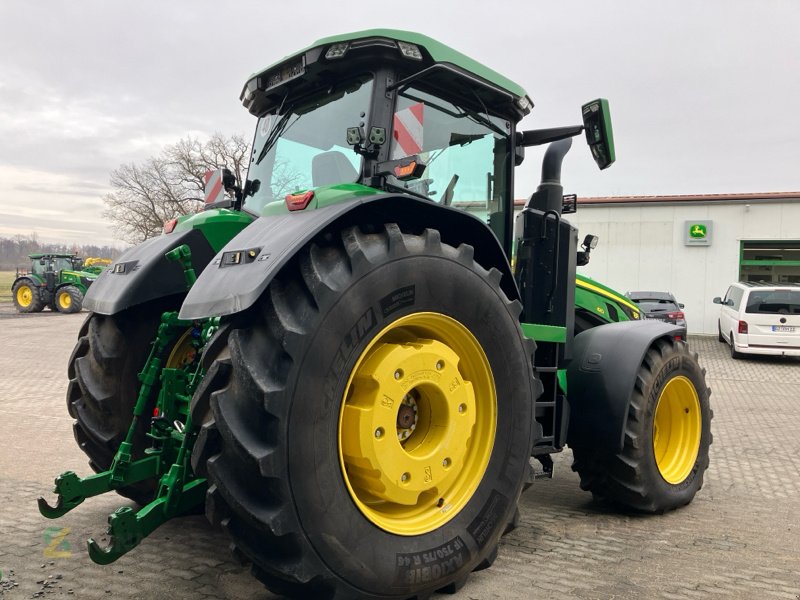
(24, 296)
(677, 428)
(183, 352)
(64, 300)
(417, 425)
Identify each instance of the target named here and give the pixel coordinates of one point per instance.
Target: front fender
(601, 379)
(241, 272)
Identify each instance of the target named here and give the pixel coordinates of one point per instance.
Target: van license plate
(782, 329)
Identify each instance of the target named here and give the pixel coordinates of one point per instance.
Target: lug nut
(439, 365)
(379, 432)
(405, 477)
(398, 374)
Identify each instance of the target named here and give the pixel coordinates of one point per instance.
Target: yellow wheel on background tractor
(68, 299)
(25, 295)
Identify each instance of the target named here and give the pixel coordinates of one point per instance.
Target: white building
(692, 246)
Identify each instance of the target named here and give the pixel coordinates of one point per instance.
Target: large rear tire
(370, 419)
(103, 387)
(667, 436)
(26, 296)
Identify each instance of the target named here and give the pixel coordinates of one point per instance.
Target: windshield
(60, 264)
(774, 302)
(466, 153)
(305, 145)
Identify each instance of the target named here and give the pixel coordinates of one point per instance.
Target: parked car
(660, 305)
(760, 318)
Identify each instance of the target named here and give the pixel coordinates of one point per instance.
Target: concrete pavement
(740, 538)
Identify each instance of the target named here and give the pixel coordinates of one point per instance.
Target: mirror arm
(537, 137)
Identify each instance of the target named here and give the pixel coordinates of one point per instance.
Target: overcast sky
(705, 96)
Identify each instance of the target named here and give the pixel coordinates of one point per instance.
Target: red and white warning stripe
(213, 186)
(408, 131)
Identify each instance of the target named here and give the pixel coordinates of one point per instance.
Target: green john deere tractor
(341, 366)
(58, 281)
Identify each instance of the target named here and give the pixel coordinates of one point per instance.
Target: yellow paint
(24, 296)
(606, 294)
(409, 480)
(677, 428)
(64, 300)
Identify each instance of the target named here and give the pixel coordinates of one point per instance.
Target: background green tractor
(58, 281)
(341, 365)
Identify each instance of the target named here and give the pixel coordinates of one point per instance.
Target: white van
(761, 318)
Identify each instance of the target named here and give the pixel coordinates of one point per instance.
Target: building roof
(693, 198)
(684, 198)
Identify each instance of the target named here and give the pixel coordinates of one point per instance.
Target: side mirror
(680, 305)
(599, 135)
(717, 300)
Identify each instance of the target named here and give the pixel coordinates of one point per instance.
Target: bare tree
(170, 184)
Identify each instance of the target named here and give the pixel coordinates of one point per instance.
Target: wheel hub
(677, 429)
(24, 296)
(417, 426)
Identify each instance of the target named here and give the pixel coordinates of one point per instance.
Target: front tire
(68, 299)
(370, 428)
(667, 437)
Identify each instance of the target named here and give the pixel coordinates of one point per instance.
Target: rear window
(650, 306)
(774, 302)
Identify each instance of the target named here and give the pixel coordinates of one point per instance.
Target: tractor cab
(390, 111)
(396, 112)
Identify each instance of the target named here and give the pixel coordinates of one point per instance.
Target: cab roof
(434, 52)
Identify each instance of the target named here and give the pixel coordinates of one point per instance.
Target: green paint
(544, 333)
(771, 263)
(439, 52)
(562, 379)
(325, 195)
(698, 231)
(219, 225)
(595, 297)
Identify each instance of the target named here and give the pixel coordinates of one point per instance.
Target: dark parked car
(660, 305)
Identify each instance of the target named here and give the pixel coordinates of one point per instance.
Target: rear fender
(601, 379)
(143, 273)
(247, 264)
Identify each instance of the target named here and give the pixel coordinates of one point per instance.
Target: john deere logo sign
(698, 233)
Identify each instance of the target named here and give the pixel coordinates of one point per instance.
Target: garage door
(770, 261)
